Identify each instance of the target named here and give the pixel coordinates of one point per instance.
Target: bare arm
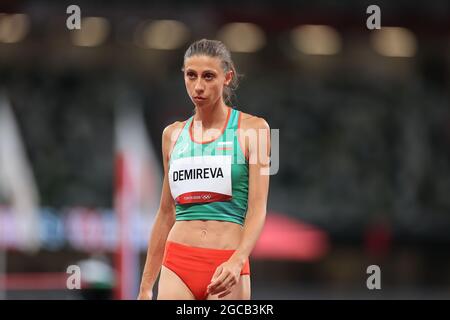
(258, 191)
(165, 218)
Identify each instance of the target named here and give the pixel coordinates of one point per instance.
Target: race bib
(200, 179)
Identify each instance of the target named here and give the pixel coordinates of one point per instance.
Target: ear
(228, 77)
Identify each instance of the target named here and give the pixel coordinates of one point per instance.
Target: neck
(212, 115)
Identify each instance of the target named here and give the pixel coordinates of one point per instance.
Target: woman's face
(205, 79)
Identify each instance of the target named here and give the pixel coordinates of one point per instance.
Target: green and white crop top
(209, 180)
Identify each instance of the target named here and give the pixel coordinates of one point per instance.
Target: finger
(223, 288)
(227, 284)
(225, 293)
(229, 281)
(216, 276)
(227, 287)
(219, 284)
(217, 273)
(221, 291)
(219, 279)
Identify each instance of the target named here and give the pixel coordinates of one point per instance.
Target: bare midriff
(206, 234)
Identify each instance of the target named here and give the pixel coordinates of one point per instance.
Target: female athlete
(214, 194)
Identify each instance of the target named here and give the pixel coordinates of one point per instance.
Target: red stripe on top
(209, 141)
(201, 197)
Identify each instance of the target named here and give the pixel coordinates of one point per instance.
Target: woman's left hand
(225, 278)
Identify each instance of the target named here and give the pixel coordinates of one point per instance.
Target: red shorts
(195, 266)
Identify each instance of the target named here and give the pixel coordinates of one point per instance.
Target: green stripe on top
(227, 143)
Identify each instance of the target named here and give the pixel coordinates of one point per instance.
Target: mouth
(198, 98)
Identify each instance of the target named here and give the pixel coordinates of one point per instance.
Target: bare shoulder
(171, 132)
(249, 121)
(170, 135)
(173, 128)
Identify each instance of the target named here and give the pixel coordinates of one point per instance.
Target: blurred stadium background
(364, 129)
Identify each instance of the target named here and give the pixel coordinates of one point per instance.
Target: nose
(199, 87)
